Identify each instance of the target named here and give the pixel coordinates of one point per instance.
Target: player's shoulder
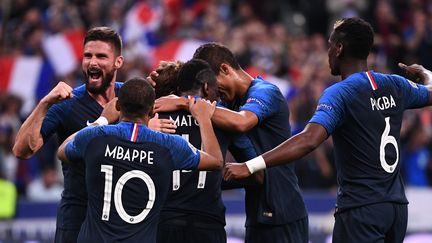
(90, 132)
(160, 138)
(79, 91)
(394, 80)
(264, 88)
(261, 83)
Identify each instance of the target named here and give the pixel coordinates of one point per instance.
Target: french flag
(140, 23)
(64, 50)
(28, 77)
(182, 50)
(283, 85)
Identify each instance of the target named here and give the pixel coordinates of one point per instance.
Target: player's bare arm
(29, 139)
(419, 74)
(211, 154)
(241, 121)
(290, 150)
(235, 121)
(171, 103)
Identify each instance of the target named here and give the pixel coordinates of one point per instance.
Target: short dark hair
(216, 54)
(356, 35)
(194, 74)
(105, 34)
(166, 81)
(136, 97)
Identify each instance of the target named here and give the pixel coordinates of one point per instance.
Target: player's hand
(201, 109)
(60, 92)
(168, 103)
(151, 78)
(236, 171)
(416, 72)
(162, 125)
(110, 111)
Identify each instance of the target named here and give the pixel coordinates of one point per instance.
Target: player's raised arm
(211, 154)
(420, 74)
(29, 138)
(290, 150)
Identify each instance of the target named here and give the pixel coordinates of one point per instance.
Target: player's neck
(244, 84)
(351, 66)
(139, 120)
(105, 97)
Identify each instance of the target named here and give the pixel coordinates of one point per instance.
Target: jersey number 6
(386, 138)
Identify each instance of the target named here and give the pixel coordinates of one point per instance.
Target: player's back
(128, 167)
(367, 137)
(194, 193)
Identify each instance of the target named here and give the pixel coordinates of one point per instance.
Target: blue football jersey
(64, 119)
(363, 113)
(128, 167)
(194, 192)
(279, 200)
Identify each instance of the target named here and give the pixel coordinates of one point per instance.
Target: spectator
(46, 188)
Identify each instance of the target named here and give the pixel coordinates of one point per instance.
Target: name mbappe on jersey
(124, 153)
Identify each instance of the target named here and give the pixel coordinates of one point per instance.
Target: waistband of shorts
(185, 222)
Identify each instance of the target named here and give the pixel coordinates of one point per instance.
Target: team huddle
(144, 160)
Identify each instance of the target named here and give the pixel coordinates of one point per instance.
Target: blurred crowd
(284, 39)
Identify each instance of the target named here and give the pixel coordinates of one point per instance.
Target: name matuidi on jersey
(382, 103)
(184, 121)
(121, 153)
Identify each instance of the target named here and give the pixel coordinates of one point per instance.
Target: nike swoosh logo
(89, 123)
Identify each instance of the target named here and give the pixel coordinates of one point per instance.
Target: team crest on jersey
(414, 85)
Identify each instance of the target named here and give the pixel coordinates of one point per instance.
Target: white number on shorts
(388, 139)
(108, 170)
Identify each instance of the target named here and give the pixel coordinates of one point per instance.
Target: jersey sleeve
(185, 155)
(263, 101)
(242, 149)
(52, 120)
(330, 110)
(76, 148)
(415, 95)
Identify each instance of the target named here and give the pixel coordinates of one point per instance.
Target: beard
(106, 82)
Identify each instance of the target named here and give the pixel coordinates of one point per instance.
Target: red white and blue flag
(28, 77)
(284, 86)
(181, 50)
(64, 50)
(140, 22)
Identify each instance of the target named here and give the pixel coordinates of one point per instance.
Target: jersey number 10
(108, 170)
